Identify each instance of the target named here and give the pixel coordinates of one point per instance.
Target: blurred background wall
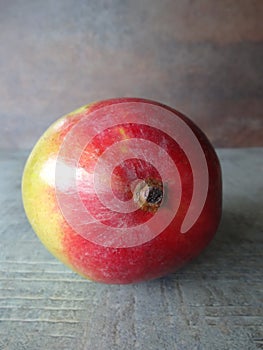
(204, 58)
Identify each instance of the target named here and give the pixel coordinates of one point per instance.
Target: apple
(123, 190)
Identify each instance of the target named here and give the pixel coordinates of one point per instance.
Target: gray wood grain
(215, 302)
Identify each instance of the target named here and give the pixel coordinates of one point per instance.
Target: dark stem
(155, 195)
(148, 194)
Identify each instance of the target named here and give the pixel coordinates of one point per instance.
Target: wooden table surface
(215, 302)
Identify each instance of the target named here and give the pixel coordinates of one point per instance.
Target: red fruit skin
(163, 254)
(170, 249)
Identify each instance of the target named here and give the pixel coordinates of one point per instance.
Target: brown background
(204, 58)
